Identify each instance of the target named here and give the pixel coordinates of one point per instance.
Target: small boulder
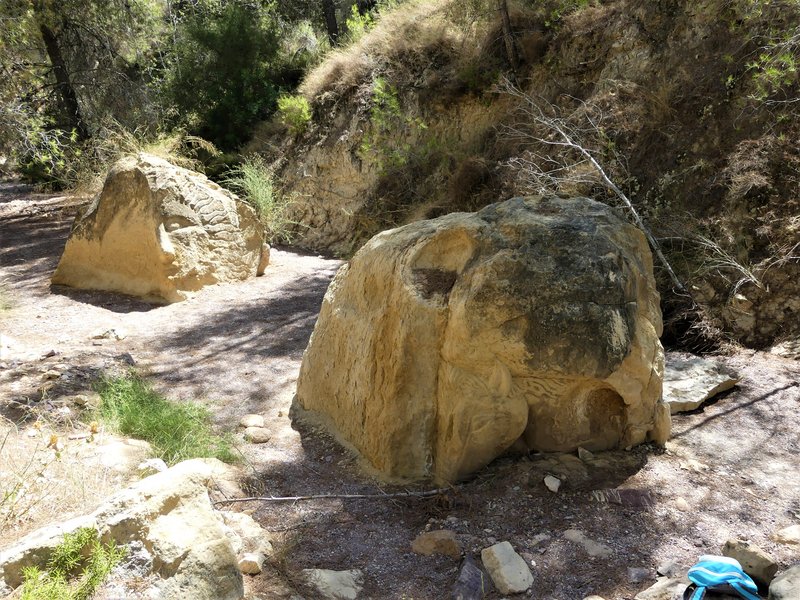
(442, 541)
(666, 588)
(755, 562)
(335, 585)
(786, 586)
(160, 232)
(508, 570)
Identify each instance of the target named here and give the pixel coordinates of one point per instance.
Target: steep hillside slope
(690, 107)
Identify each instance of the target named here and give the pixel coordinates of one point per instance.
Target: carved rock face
(159, 231)
(444, 342)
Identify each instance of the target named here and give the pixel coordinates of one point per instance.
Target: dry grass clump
(46, 477)
(403, 41)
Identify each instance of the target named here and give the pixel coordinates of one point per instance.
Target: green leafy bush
(177, 431)
(77, 567)
(295, 113)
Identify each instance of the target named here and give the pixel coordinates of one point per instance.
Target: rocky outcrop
(159, 231)
(188, 549)
(445, 341)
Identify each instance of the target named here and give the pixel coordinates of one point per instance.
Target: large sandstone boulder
(444, 342)
(159, 231)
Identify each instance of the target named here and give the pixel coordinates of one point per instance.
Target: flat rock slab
(335, 585)
(690, 380)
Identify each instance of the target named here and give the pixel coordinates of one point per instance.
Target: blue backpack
(720, 574)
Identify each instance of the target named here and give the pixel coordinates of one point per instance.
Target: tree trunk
(329, 12)
(508, 35)
(69, 100)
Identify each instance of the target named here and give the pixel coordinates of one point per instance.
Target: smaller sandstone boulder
(442, 541)
(786, 586)
(755, 562)
(159, 232)
(666, 588)
(508, 570)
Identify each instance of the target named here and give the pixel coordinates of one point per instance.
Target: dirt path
(731, 468)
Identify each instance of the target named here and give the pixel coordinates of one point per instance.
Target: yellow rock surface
(444, 342)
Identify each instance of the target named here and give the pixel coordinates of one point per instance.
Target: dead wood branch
(548, 171)
(383, 496)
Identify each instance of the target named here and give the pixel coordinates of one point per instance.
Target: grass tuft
(254, 181)
(79, 564)
(177, 431)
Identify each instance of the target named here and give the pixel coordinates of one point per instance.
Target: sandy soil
(731, 468)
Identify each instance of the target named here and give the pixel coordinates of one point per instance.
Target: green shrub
(79, 564)
(254, 181)
(389, 139)
(295, 113)
(177, 431)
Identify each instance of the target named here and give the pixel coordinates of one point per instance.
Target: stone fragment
(786, 586)
(442, 541)
(160, 232)
(443, 342)
(88, 400)
(335, 585)
(788, 535)
(690, 380)
(124, 455)
(508, 570)
(594, 598)
(755, 562)
(670, 568)
(472, 582)
(151, 466)
(681, 504)
(257, 435)
(594, 549)
(251, 563)
(584, 454)
(552, 483)
(251, 421)
(666, 588)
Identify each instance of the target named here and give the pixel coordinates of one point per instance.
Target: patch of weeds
(254, 181)
(177, 431)
(76, 569)
(5, 300)
(392, 131)
(295, 113)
